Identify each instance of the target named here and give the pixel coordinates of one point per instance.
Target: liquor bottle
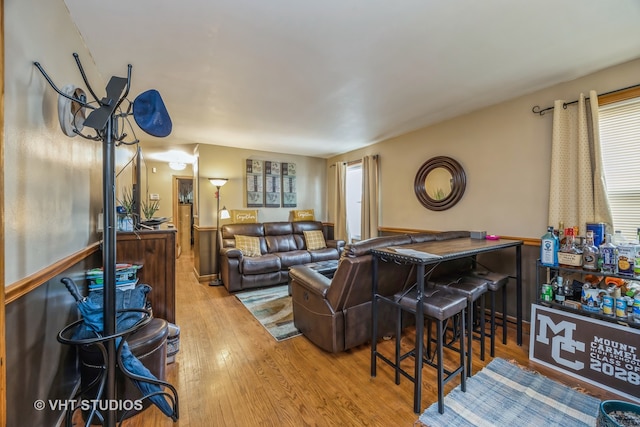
(549, 246)
(561, 232)
(590, 253)
(570, 254)
(608, 255)
(618, 238)
(560, 295)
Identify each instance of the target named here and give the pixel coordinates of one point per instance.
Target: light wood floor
(231, 372)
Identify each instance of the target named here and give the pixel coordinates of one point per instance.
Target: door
(183, 212)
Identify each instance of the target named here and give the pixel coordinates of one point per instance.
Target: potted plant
(125, 210)
(149, 208)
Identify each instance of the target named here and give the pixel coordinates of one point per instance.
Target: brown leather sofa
(282, 245)
(335, 314)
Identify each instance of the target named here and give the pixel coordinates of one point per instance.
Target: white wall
(52, 182)
(505, 150)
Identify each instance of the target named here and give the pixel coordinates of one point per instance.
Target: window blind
(620, 141)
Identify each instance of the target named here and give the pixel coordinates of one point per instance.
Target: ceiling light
(177, 166)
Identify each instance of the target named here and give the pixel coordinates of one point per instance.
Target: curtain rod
(352, 162)
(536, 109)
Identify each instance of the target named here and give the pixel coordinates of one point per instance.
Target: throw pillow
(314, 240)
(303, 215)
(248, 245)
(244, 216)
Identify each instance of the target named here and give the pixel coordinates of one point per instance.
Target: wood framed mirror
(440, 183)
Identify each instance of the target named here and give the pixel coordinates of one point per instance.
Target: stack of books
(126, 277)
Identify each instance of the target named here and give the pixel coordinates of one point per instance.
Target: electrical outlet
(154, 196)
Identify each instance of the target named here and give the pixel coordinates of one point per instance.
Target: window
(620, 140)
(354, 201)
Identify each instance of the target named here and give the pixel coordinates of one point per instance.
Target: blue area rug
(503, 394)
(272, 308)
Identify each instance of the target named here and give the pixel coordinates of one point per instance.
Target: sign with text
(598, 352)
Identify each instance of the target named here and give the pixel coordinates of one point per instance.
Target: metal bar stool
(495, 282)
(474, 290)
(432, 305)
(438, 305)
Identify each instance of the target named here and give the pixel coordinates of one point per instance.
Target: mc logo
(564, 342)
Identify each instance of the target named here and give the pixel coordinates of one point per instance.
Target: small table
(326, 268)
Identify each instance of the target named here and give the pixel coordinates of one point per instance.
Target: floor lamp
(220, 214)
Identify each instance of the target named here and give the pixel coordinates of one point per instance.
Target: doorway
(183, 212)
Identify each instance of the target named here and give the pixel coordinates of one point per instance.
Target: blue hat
(151, 115)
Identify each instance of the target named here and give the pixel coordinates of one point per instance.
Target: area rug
(272, 308)
(503, 394)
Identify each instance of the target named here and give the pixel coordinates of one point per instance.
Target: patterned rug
(272, 308)
(503, 394)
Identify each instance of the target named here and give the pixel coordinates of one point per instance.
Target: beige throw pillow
(314, 240)
(244, 216)
(303, 215)
(248, 245)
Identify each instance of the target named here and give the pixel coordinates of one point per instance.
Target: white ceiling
(320, 77)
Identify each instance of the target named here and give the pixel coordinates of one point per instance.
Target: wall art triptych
(270, 184)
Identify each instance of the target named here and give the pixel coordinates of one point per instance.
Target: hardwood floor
(231, 372)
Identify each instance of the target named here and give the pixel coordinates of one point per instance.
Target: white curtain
(577, 193)
(340, 226)
(369, 207)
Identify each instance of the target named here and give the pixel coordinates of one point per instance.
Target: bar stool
(495, 282)
(438, 305)
(473, 289)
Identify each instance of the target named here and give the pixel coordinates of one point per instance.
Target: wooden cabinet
(155, 250)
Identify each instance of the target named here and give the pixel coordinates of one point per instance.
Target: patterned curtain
(370, 190)
(577, 193)
(340, 227)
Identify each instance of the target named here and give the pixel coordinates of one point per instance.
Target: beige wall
(52, 182)
(227, 162)
(505, 150)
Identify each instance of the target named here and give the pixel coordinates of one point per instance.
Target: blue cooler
(599, 232)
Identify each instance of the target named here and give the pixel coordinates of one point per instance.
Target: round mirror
(440, 183)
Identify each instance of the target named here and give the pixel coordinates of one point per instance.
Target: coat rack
(103, 119)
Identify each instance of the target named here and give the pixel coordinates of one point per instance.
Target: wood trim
(3, 336)
(622, 95)
(201, 228)
(29, 283)
(528, 241)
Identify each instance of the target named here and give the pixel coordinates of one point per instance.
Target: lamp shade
(224, 213)
(218, 182)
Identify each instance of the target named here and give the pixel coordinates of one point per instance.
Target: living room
(53, 197)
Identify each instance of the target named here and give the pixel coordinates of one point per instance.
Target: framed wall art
(272, 182)
(289, 198)
(255, 183)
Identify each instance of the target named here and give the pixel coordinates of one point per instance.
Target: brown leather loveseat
(281, 245)
(335, 314)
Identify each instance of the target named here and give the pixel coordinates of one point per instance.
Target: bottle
(560, 295)
(570, 254)
(549, 246)
(561, 232)
(608, 255)
(590, 254)
(618, 238)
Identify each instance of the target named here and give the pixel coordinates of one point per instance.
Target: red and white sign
(598, 352)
